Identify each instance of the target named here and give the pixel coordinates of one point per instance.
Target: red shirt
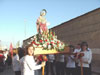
(1, 57)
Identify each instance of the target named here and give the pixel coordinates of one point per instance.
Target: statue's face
(42, 13)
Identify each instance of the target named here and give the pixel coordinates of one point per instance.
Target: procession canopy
(46, 42)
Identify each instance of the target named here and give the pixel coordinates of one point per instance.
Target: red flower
(42, 58)
(57, 42)
(33, 42)
(52, 42)
(47, 43)
(51, 38)
(46, 40)
(45, 58)
(40, 41)
(61, 43)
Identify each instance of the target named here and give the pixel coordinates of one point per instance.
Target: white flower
(44, 45)
(40, 46)
(49, 46)
(34, 45)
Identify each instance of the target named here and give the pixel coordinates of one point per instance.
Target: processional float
(46, 42)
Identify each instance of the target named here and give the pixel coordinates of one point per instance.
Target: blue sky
(15, 14)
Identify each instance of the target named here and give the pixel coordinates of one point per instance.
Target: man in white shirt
(70, 66)
(60, 64)
(16, 64)
(51, 59)
(78, 48)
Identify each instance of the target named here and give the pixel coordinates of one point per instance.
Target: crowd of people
(76, 63)
(59, 64)
(5, 60)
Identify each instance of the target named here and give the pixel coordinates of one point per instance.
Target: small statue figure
(42, 22)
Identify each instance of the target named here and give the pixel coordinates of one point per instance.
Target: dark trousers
(47, 68)
(90, 69)
(76, 69)
(60, 68)
(86, 71)
(17, 72)
(50, 68)
(70, 71)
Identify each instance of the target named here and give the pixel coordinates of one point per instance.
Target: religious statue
(42, 22)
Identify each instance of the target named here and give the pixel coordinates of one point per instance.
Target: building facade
(82, 28)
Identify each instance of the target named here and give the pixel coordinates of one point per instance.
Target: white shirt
(51, 58)
(5, 55)
(77, 50)
(15, 63)
(70, 62)
(60, 58)
(29, 65)
(86, 59)
(22, 64)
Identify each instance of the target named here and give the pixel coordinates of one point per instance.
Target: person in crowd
(60, 64)
(29, 64)
(51, 65)
(5, 57)
(85, 57)
(16, 64)
(47, 67)
(1, 62)
(9, 60)
(70, 66)
(90, 67)
(78, 48)
(21, 56)
(38, 71)
(16, 61)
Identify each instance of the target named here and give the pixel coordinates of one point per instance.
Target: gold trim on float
(40, 50)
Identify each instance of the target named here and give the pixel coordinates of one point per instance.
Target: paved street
(7, 71)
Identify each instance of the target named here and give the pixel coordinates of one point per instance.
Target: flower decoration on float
(42, 58)
(45, 37)
(48, 41)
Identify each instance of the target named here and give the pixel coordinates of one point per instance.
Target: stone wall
(96, 61)
(82, 28)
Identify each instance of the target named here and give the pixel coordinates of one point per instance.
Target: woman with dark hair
(85, 56)
(29, 64)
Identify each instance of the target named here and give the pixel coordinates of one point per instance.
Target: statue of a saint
(42, 22)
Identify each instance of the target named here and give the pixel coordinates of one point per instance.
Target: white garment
(5, 55)
(29, 65)
(60, 58)
(86, 59)
(77, 50)
(15, 63)
(70, 62)
(90, 53)
(51, 58)
(22, 64)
